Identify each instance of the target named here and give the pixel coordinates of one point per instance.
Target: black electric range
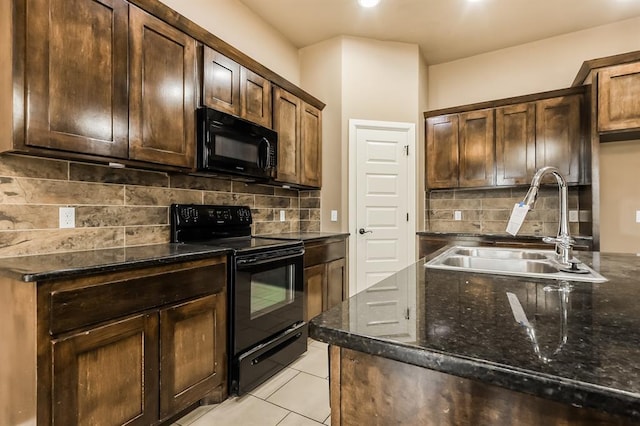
(265, 290)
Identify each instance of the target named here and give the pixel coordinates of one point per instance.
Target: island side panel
(18, 352)
(379, 391)
(334, 384)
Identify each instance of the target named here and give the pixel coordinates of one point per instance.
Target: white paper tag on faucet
(518, 214)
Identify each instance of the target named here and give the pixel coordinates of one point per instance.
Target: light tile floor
(296, 396)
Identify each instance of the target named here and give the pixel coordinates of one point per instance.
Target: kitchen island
(428, 346)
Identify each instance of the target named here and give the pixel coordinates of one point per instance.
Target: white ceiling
(445, 29)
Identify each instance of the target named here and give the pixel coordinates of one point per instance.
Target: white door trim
(410, 128)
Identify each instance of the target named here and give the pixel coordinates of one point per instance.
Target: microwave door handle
(263, 162)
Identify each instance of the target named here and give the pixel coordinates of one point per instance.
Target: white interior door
(382, 200)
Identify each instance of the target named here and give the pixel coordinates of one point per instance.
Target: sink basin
(493, 253)
(515, 262)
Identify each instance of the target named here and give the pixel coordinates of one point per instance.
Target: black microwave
(228, 144)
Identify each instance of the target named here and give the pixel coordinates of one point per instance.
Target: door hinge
(406, 150)
(407, 217)
(407, 314)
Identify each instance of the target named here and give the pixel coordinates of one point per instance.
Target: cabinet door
(314, 288)
(558, 135)
(255, 97)
(76, 76)
(619, 98)
(193, 351)
(311, 146)
(162, 92)
(515, 144)
(336, 290)
(477, 149)
(107, 375)
(286, 121)
(221, 82)
(442, 152)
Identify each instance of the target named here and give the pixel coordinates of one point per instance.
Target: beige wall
(620, 196)
(529, 68)
(361, 79)
(321, 75)
(234, 23)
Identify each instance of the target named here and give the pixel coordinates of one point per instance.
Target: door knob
(362, 231)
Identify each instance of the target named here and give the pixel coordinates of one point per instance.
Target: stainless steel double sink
(507, 261)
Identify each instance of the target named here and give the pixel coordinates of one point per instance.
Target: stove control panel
(209, 216)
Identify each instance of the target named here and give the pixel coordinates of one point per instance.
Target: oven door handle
(256, 261)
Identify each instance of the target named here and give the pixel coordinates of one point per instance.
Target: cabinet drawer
(82, 306)
(324, 252)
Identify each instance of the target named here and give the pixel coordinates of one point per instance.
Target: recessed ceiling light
(368, 3)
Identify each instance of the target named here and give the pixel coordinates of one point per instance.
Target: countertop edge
(71, 272)
(576, 393)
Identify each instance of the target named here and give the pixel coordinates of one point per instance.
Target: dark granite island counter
(428, 346)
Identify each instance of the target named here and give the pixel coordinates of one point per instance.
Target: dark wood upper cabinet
(619, 98)
(476, 149)
(442, 151)
(515, 144)
(255, 97)
(162, 92)
(286, 121)
(76, 76)
(467, 147)
(220, 82)
(227, 86)
(559, 140)
(461, 150)
(311, 146)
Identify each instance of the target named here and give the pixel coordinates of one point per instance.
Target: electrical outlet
(282, 217)
(573, 215)
(457, 215)
(334, 215)
(67, 216)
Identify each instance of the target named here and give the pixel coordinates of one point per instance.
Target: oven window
(271, 289)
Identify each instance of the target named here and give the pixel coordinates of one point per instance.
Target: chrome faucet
(564, 242)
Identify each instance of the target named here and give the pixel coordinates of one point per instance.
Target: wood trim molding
(506, 101)
(590, 65)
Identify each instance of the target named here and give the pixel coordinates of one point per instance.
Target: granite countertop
(73, 264)
(462, 324)
(305, 236)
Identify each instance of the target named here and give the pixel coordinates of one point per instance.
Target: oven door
(268, 296)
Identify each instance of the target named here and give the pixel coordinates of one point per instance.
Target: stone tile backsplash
(487, 211)
(124, 207)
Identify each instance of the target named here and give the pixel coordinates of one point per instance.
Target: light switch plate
(457, 215)
(637, 216)
(282, 216)
(334, 215)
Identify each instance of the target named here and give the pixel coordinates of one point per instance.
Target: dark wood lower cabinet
(133, 347)
(314, 283)
(325, 276)
(193, 354)
(107, 375)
